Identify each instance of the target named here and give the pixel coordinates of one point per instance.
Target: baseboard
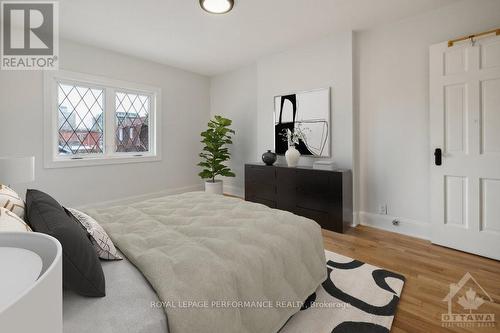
(355, 219)
(406, 226)
(146, 196)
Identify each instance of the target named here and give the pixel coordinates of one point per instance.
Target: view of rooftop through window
(80, 124)
(132, 122)
(81, 117)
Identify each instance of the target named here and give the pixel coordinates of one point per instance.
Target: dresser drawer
(260, 174)
(313, 183)
(327, 220)
(262, 190)
(322, 218)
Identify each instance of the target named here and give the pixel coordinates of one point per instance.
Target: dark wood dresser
(323, 196)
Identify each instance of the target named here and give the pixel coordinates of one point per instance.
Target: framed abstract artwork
(306, 112)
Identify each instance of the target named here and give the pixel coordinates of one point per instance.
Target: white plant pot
(213, 187)
(292, 156)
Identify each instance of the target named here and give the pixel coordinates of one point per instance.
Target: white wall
(247, 96)
(381, 126)
(185, 111)
(318, 64)
(392, 75)
(234, 95)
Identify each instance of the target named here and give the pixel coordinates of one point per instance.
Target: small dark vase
(269, 158)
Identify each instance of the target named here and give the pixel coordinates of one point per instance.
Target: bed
(125, 309)
(219, 264)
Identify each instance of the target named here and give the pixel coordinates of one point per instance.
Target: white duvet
(219, 264)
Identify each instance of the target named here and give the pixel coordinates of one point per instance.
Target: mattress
(127, 307)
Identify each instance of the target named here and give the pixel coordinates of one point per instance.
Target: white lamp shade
(17, 170)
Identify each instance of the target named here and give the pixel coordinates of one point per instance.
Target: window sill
(73, 163)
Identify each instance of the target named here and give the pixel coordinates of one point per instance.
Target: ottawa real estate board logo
(29, 35)
(464, 301)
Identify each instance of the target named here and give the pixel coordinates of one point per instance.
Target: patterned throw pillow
(11, 222)
(10, 200)
(101, 242)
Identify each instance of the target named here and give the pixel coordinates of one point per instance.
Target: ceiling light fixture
(217, 6)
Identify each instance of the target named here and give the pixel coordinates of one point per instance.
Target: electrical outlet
(382, 209)
(395, 222)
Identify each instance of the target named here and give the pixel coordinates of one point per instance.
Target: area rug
(356, 297)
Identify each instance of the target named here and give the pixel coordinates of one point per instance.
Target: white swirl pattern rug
(356, 297)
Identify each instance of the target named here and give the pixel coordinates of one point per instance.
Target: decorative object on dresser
(324, 165)
(323, 196)
(292, 155)
(308, 112)
(215, 153)
(269, 157)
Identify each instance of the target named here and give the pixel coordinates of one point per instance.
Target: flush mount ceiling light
(217, 6)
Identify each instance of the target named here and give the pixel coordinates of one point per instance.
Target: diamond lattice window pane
(80, 120)
(132, 122)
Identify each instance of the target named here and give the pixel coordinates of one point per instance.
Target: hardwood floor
(429, 269)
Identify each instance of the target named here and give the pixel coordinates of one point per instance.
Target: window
(80, 120)
(132, 113)
(92, 120)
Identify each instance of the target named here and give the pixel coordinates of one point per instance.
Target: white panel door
(465, 128)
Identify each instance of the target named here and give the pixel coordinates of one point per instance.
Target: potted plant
(215, 153)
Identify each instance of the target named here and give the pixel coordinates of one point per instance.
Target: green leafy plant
(215, 151)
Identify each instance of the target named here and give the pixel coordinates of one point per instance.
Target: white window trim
(51, 150)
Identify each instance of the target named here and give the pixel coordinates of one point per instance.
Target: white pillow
(11, 222)
(101, 242)
(10, 200)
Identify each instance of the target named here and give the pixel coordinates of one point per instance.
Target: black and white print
(356, 297)
(308, 112)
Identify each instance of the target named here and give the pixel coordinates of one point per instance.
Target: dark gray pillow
(82, 271)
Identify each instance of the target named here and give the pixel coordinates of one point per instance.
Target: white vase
(292, 156)
(213, 187)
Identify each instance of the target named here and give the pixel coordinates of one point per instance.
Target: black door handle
(438, 156)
